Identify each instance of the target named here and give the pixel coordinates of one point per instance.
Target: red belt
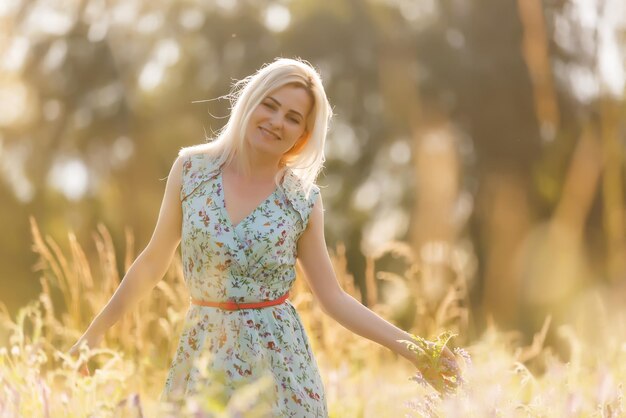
(233, 306)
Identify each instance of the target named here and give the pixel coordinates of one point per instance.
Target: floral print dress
(250, 262)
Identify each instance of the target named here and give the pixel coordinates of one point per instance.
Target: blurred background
(485, 139)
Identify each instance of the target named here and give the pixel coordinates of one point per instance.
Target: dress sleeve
(184, 187)
(197, 169)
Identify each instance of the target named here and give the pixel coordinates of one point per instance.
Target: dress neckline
(253, 212)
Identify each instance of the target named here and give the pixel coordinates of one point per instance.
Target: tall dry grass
(362, 379)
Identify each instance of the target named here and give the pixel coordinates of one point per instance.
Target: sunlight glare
(15, 56)
(343, 144)
(14, 102)
(45, 19)
(123, 148)
(191, 19)
(12, 162)
(367, 196)
(167, 51)
(277, 18)
(8, 7)
(98, 31)
(151, 75)
(150, 23)
(124, 13)
(226, 5)
(389, 224)
(400, 152)
(54, 58)
(612, 61)
(70, 177)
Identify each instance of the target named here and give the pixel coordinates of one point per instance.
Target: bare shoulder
(176, 172)
(175, 177)
(318, 206)
(315, 226)
(167, 233)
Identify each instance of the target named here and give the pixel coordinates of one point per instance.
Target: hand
(449, 362)
(436, 364)
(444, 375)
(92, 342)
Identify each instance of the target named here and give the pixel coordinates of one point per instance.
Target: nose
(276, 121)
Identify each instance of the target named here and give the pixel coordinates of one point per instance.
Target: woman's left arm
(334, 301)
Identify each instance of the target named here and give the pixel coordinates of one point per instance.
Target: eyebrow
(280, 104)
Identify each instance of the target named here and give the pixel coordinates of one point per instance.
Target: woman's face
(279, 120)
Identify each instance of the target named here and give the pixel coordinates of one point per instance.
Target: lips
(269, 133)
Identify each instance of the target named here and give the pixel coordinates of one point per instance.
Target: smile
(268, 133)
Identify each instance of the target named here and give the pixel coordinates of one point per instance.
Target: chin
(257, 144)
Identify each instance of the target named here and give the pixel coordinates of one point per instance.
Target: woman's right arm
(149, 267)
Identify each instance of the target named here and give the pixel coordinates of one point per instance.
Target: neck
(262, 166)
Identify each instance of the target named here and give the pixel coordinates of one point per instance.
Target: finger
(84, 370)
(448, 353)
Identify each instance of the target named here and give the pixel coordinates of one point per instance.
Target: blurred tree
(487, 100)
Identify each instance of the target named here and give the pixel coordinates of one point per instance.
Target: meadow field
(506, 377)
(474, 182)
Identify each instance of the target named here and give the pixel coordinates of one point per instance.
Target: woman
(249, 209)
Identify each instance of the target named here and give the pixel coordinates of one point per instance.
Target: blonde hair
(306, 157)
